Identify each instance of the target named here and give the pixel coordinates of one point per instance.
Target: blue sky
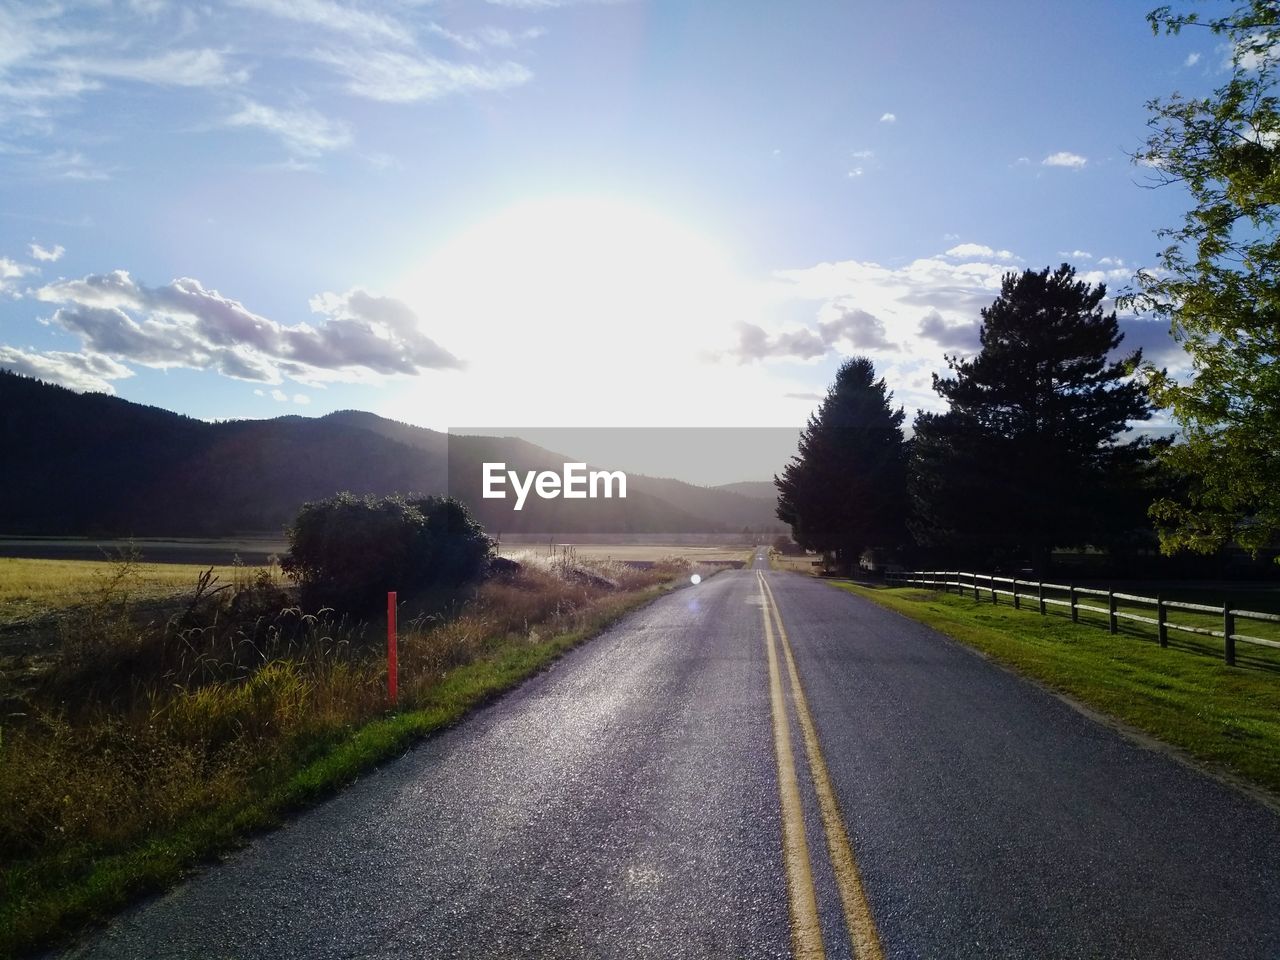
(556, 213)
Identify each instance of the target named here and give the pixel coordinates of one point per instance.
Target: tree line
(1035, 450)
(1041, 442)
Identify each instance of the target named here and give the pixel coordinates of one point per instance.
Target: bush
(347, 551)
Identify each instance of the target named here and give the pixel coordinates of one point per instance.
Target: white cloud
(925, 309)
(279, 396)
(954, 336)
(1192, 60)
(328, 15)
(182, 324)
(1110, 262)
(79, 371)
(1251, 53)
(550, 4)
(72, 165)
(1076, 254)
(304, 131)
(839, 325)
(1064, 158)
(477, 41)
(1152, 336)
(862, 154)
(47, 254)
(177, 68)
(855, 172)
(393, 77)
(970, 251)
(55, 86)
(1105, 276)
(11, 270)
(51, 54)
(888, 118)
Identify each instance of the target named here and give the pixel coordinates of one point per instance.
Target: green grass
(49, 897)
(1255, 600)
(1226, 717)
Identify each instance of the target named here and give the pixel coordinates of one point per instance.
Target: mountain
(90, 464)
(758, 489)
(723, 507)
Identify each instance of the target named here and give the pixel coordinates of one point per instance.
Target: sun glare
(564, 300)
(583, 273)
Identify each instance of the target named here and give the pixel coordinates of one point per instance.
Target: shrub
(348, 551)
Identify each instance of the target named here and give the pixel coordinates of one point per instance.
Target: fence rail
(990, 586)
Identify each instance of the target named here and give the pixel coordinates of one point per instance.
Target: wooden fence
(1018, 592)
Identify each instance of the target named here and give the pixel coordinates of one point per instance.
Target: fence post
(1040, 595)
(393, 666)
(994, 598)
(974, 576)
(1111, 612)
(1075, 614)
(1162, 622)
(1228, 631)
(1017, 600)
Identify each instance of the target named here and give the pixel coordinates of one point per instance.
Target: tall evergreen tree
(1029, 455)
(845, 490)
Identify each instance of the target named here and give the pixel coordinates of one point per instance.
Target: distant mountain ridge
(95, 465)
(760, 489)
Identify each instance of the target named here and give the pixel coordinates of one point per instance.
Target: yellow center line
(806, 933)
(857, 911)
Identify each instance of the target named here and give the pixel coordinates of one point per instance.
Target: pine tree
(845, 490)
(1029, 455)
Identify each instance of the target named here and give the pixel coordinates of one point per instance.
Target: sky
(558, 213)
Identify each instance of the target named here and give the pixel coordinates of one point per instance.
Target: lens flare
(695, 579)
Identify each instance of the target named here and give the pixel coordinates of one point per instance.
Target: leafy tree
(845, 491)
(1219, 288)
(348, 551)
(1029, 455)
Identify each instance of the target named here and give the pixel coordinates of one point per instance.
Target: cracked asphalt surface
(625, 803)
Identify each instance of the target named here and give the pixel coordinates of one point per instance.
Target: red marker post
(393, 668)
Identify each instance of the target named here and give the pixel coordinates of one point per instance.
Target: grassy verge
(99, 806)
(1226, 717)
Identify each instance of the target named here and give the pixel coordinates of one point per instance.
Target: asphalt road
(668, 790)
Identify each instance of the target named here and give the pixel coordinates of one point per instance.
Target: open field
(252, 550)
(1228, 717)
(30, 588)
(633, 552)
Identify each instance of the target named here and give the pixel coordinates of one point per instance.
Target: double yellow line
(806, 931)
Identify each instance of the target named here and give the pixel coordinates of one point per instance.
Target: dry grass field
(625, 552)
(29, 588)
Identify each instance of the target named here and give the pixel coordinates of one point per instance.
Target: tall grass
(137, 729)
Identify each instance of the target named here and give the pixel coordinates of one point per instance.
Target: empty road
(759, 766)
